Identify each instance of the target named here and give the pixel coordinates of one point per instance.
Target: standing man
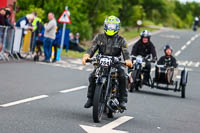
(49, 36)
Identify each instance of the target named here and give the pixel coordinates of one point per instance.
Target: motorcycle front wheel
(134, 85)
(98, 103)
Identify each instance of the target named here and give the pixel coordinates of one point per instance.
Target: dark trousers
(47, 45)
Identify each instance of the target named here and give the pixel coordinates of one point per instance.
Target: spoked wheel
(134, 85)
(98, 103)
(183, 91)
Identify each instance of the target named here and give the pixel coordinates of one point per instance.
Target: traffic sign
(139, 22)
(64, 18)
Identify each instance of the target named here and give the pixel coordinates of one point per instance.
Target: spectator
(49, 36)
(73, 45)
(2, 16)
(37, 28)
(2, 23)
(25, 23)
(77, 38)
(39, 43)
(7, 18)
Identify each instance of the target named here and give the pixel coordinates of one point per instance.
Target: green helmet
(111, 25)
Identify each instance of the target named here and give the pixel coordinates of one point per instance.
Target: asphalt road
(32, 100)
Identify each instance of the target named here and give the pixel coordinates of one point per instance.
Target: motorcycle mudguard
(184, 76)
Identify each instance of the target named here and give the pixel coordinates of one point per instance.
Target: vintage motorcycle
(138, 72)
(107, 86)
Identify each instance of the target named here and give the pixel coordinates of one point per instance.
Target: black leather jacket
(144, 49)
(110, 46)
(168, 61)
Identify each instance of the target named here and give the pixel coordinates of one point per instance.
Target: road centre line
(177, 53)
(24, 101)
(193, 38)
(73, 89)
(190, 63)
(197, 64)
(184, 46)
(188, 43)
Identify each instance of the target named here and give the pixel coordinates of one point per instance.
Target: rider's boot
(123, 105)
(123, 85)
(146, 79)
(88, 104)
(90, 92)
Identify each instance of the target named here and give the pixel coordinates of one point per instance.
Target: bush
(29, 10)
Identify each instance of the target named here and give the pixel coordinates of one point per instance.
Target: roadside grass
(132, 33)
(128, 34)
(74, 54)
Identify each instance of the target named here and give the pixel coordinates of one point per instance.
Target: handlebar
(164, 66)
(91, 60)
(116, 60)
(144, 58)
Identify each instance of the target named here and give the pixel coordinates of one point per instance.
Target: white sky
(189, 0)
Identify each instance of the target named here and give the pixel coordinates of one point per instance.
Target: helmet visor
(111, 26)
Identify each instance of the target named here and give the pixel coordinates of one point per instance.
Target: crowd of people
(43, 34)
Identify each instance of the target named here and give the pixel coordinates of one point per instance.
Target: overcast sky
(189, 0)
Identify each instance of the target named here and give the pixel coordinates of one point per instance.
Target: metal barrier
(14, 41)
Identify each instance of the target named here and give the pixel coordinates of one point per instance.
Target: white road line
(193, 38)
(177, 53)
(185, 63)
(197, 64)
(89, 69)
(182, 68)
(73, 89)
(190, 63)
(188, 43)
(24, 101)
(184, 46)
(109, 128)
(117, 122)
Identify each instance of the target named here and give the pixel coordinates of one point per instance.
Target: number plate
(105, 61)
(139, 59)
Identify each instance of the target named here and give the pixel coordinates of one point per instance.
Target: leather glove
(85, 57)
(128, 63)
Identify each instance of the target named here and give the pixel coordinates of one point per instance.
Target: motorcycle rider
(111, 44)
(169, 62)
(145, 47)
